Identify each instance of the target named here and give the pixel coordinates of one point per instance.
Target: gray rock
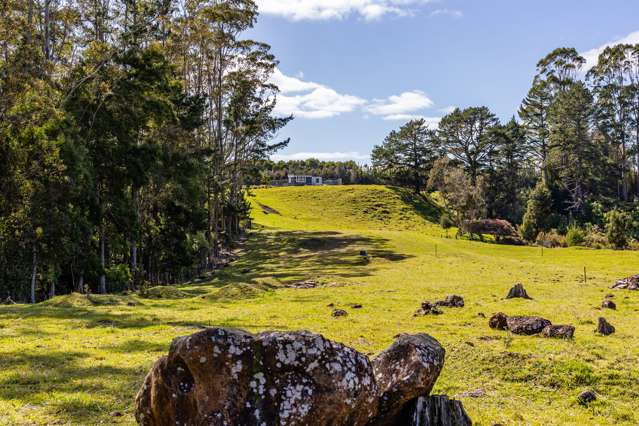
(498, 321)
(452, 301)
(587, 397)
(405, 371)
(609, 304)
(526, 325)
(559, 331)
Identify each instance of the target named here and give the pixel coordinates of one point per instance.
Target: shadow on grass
(34, 377)
(291, 256)
(421, 204)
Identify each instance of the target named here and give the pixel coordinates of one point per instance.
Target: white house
(305, 180)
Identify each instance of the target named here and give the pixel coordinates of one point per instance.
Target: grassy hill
(75, 360)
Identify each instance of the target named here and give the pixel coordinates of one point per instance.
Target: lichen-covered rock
(587, 397)
(498, 321)
(222, 376)
(405, 371)
(518, 291)
(559, 331)
(452, 301)
(339, 313)
(526, 325)
(604, 327)
(630, 283)
(608, 304)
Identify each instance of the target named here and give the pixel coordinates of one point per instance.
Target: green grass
(74, 361)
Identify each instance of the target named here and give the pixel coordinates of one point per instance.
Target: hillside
(345, 207)
(78, 360)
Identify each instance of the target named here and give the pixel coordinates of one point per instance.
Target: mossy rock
(243, 291)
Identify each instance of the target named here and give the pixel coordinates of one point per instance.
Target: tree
(538, 212)
(407, 154)
(574, 155)
(559, 69)
(534, 115)
(465, 200)
(611, 84)
(464, 136)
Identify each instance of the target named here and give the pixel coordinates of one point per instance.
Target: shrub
(551, 239)
(596, 238)
(575, 236)
(617, 228)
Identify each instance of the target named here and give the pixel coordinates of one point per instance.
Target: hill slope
(345, 207)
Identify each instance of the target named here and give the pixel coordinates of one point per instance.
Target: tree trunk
(102, 261)
(34, 272)
(81, 284)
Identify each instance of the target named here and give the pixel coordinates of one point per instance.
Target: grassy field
(79, 360)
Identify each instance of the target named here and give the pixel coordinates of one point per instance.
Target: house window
(317, 180)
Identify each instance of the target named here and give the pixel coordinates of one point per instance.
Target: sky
(351, 71)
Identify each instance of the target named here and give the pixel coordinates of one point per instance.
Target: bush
(575, 236)
(551, 239)
(119, 277)
(618, 228)
(596, 238)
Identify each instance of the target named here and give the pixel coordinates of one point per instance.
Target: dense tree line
(128, 129)
(570, 159)
(267, 172)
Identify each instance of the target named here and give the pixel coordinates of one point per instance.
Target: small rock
(526, 325)
(363, 253)
(559, 331)
(116, 414)
(498, 321)
(610, 296)
(452, 301)
(477, 393)
(356, 306)
(481, 315)
(609, 304)
(330, 305)
(339, 313)
(427, 309)
(604, 327)
(131, 304)
(518, 291)
(586, 397)
(471, 344)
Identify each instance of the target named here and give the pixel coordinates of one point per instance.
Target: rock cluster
(429, 308)
(229, 377)
(630, 283)
(529, 325)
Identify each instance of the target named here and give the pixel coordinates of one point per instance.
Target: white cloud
(431, 122)
(298, 10)
(408, 103)
(454, 13)
(323, 156)
(310, 100)
(448, 109)
(592, 56)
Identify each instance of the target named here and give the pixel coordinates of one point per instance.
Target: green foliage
(551, 239)
(406, 155)
(575, 236)
(119, 277)
(538, 211)
(618, 228)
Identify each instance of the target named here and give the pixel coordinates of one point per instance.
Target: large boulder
(230, 377)
(406, 370)
(221, 376)
(526, 325)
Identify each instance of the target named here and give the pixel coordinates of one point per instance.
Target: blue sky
(352, 70)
